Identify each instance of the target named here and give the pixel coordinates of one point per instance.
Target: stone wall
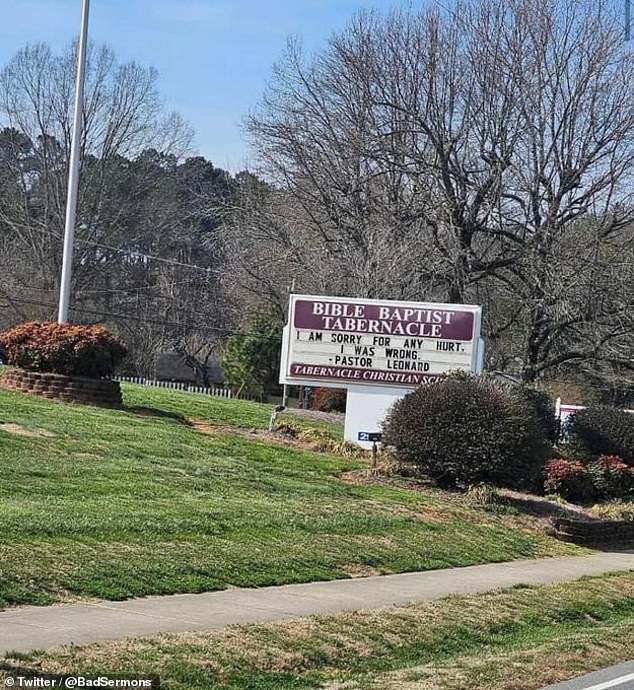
(103, 392)
(594, 532)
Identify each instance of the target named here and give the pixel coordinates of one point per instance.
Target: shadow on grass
(539, 507)
(143, 411)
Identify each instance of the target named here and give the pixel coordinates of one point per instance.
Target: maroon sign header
(384, 319)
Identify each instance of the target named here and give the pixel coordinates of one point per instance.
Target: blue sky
(213, 56)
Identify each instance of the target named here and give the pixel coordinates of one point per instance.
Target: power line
(142, 255)
(118, 315)
(127, 291)
(124, 290)
(129, 252)
(155, 322)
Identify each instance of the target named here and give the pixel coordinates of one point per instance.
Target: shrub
(462, 431)
(602, 430)
(543, 407)
(252, 360)
(329, 400)
(321, 441)
(90, 351)
(570, 479)
(482, 495)
(615, 510)
(611, 477)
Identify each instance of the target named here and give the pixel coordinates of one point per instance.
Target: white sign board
(342, 342)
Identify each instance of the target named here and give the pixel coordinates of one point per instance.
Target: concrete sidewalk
(35, 627)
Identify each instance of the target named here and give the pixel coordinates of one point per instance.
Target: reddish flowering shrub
(605, 478)
(64, 349)
(570, 479)
(329, 400)
(611, 477)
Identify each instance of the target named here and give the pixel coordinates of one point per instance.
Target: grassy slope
(518, 639)
(119, 504)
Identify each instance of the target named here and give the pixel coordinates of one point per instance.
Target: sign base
(366, 407)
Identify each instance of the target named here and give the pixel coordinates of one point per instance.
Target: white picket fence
(564, 410)
(176, 385)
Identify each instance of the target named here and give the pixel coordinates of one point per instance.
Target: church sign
(341, 341)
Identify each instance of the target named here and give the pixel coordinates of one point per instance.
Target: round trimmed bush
(602, 430)
(467, 430)
(90, 351)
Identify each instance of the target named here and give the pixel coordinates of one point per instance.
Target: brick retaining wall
(593, 531)
(102, 392)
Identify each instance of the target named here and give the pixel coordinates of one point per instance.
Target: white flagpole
(73, 171)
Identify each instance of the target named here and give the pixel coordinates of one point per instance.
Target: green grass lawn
(122, 503)
(517, 639)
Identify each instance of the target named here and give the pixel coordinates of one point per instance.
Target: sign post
(373, 438)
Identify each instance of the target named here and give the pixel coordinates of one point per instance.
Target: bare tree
(123, 115)
(317, 132)
(482, 153)
(145, 250)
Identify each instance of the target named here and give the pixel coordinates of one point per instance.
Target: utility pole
(628, 19)
(73, 171)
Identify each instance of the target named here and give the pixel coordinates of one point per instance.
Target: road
(619, 677)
